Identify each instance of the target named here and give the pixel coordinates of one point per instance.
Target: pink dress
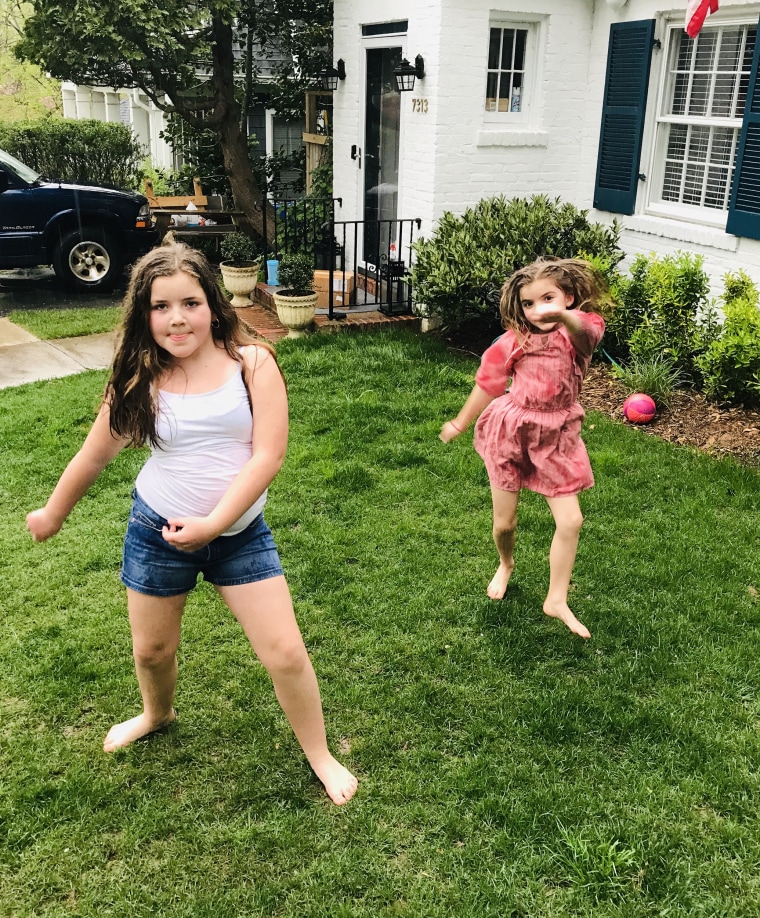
(530, 436)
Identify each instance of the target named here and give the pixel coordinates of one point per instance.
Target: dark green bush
(469, 257)
(296, 273)
(239, 249)
(84, 152)
(730, 366)
(662, 309)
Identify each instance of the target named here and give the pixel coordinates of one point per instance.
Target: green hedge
(469, 257)
(85, 152)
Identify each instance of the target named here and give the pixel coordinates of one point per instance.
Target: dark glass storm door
(381, 153)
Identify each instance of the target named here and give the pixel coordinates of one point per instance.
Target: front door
(381, 153)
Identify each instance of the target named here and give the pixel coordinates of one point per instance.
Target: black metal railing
(380, 279)
(298, 226)
(363, 263)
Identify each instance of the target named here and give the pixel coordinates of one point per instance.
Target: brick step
(262, 316)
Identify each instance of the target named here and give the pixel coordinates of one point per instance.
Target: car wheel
(88, 259)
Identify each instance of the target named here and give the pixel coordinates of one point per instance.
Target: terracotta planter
(296, 312)
(240, 280)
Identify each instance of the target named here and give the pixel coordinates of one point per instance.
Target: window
(698, 131)
(506, 69)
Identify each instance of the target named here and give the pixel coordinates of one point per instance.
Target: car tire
(88, 259)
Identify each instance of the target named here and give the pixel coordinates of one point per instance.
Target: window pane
(723, 146)
(706, 43)
(508, 49)
(494, 46)
(520, 39)
(515, 104)
(700, 88)
(680, 94)
(692, 187)
(491, 85)
(730, 48)
(504, 92)
(723, 95)
(716, 194)
(699, 142)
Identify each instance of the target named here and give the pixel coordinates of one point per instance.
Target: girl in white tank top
(209, 399)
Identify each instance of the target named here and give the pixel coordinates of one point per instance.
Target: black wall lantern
(405, 73)
(331, 75)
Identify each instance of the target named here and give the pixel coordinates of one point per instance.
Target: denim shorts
(154, 567)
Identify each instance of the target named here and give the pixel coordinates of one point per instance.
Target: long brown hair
(574, 277)
(139, 362)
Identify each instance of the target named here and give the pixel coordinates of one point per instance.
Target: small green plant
(238, 249)
(657, 376)
(296, 273)
(730, 366)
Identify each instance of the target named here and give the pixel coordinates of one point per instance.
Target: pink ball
(639, 408)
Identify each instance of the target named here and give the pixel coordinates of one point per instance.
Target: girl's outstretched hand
(449, 431)
(189, 533)
(41, 525)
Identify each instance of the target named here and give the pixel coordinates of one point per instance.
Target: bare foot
(498, 586)
(561, 610)
(339, 783)
(123, 734)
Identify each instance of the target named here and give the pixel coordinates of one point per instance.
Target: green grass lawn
(67, 323)
(507, 768)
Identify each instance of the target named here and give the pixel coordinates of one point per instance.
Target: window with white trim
(510, 71)
(702, 108)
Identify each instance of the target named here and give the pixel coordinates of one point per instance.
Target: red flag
(696, 13)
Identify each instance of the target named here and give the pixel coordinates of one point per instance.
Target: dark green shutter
(744, 207)
(625, 97)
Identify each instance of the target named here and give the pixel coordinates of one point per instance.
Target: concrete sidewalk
(24, 358)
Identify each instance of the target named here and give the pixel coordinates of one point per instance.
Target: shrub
(662, 309)
(238, 248)
(730, 366)
(84, 152)
(467, 258)
(296, 272)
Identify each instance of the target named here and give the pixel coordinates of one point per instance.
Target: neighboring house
(607, 104)
(134, 108)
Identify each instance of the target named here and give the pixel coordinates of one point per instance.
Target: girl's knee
(286, 659)
(504, 526)
(153, 655)
(570, 523)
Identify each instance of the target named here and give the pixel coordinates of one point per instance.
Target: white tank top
(204, 441)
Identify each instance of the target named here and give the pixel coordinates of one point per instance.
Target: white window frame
(690, 213)
(533, 26)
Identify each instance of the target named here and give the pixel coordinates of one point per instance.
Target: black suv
(86, 233)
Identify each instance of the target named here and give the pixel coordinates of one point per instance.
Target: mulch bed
(690, 419)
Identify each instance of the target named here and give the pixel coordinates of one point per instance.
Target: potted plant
(296, 300)
(240, 268)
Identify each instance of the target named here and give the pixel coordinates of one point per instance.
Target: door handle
(356, 154)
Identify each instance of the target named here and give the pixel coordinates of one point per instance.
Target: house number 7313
(420, 105)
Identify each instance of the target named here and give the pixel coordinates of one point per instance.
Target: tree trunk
(248, 197)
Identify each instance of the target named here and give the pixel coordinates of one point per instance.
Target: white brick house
(512, 102)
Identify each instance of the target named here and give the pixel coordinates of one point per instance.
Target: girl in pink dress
(529, 434)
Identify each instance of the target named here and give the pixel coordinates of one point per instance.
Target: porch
(262, 317)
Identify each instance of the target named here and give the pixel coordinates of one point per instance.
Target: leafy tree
(187, 58)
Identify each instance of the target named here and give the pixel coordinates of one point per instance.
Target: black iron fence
(358, 263)
(299, 226)
(372, 261)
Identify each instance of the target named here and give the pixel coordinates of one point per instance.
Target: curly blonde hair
(574, 277)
